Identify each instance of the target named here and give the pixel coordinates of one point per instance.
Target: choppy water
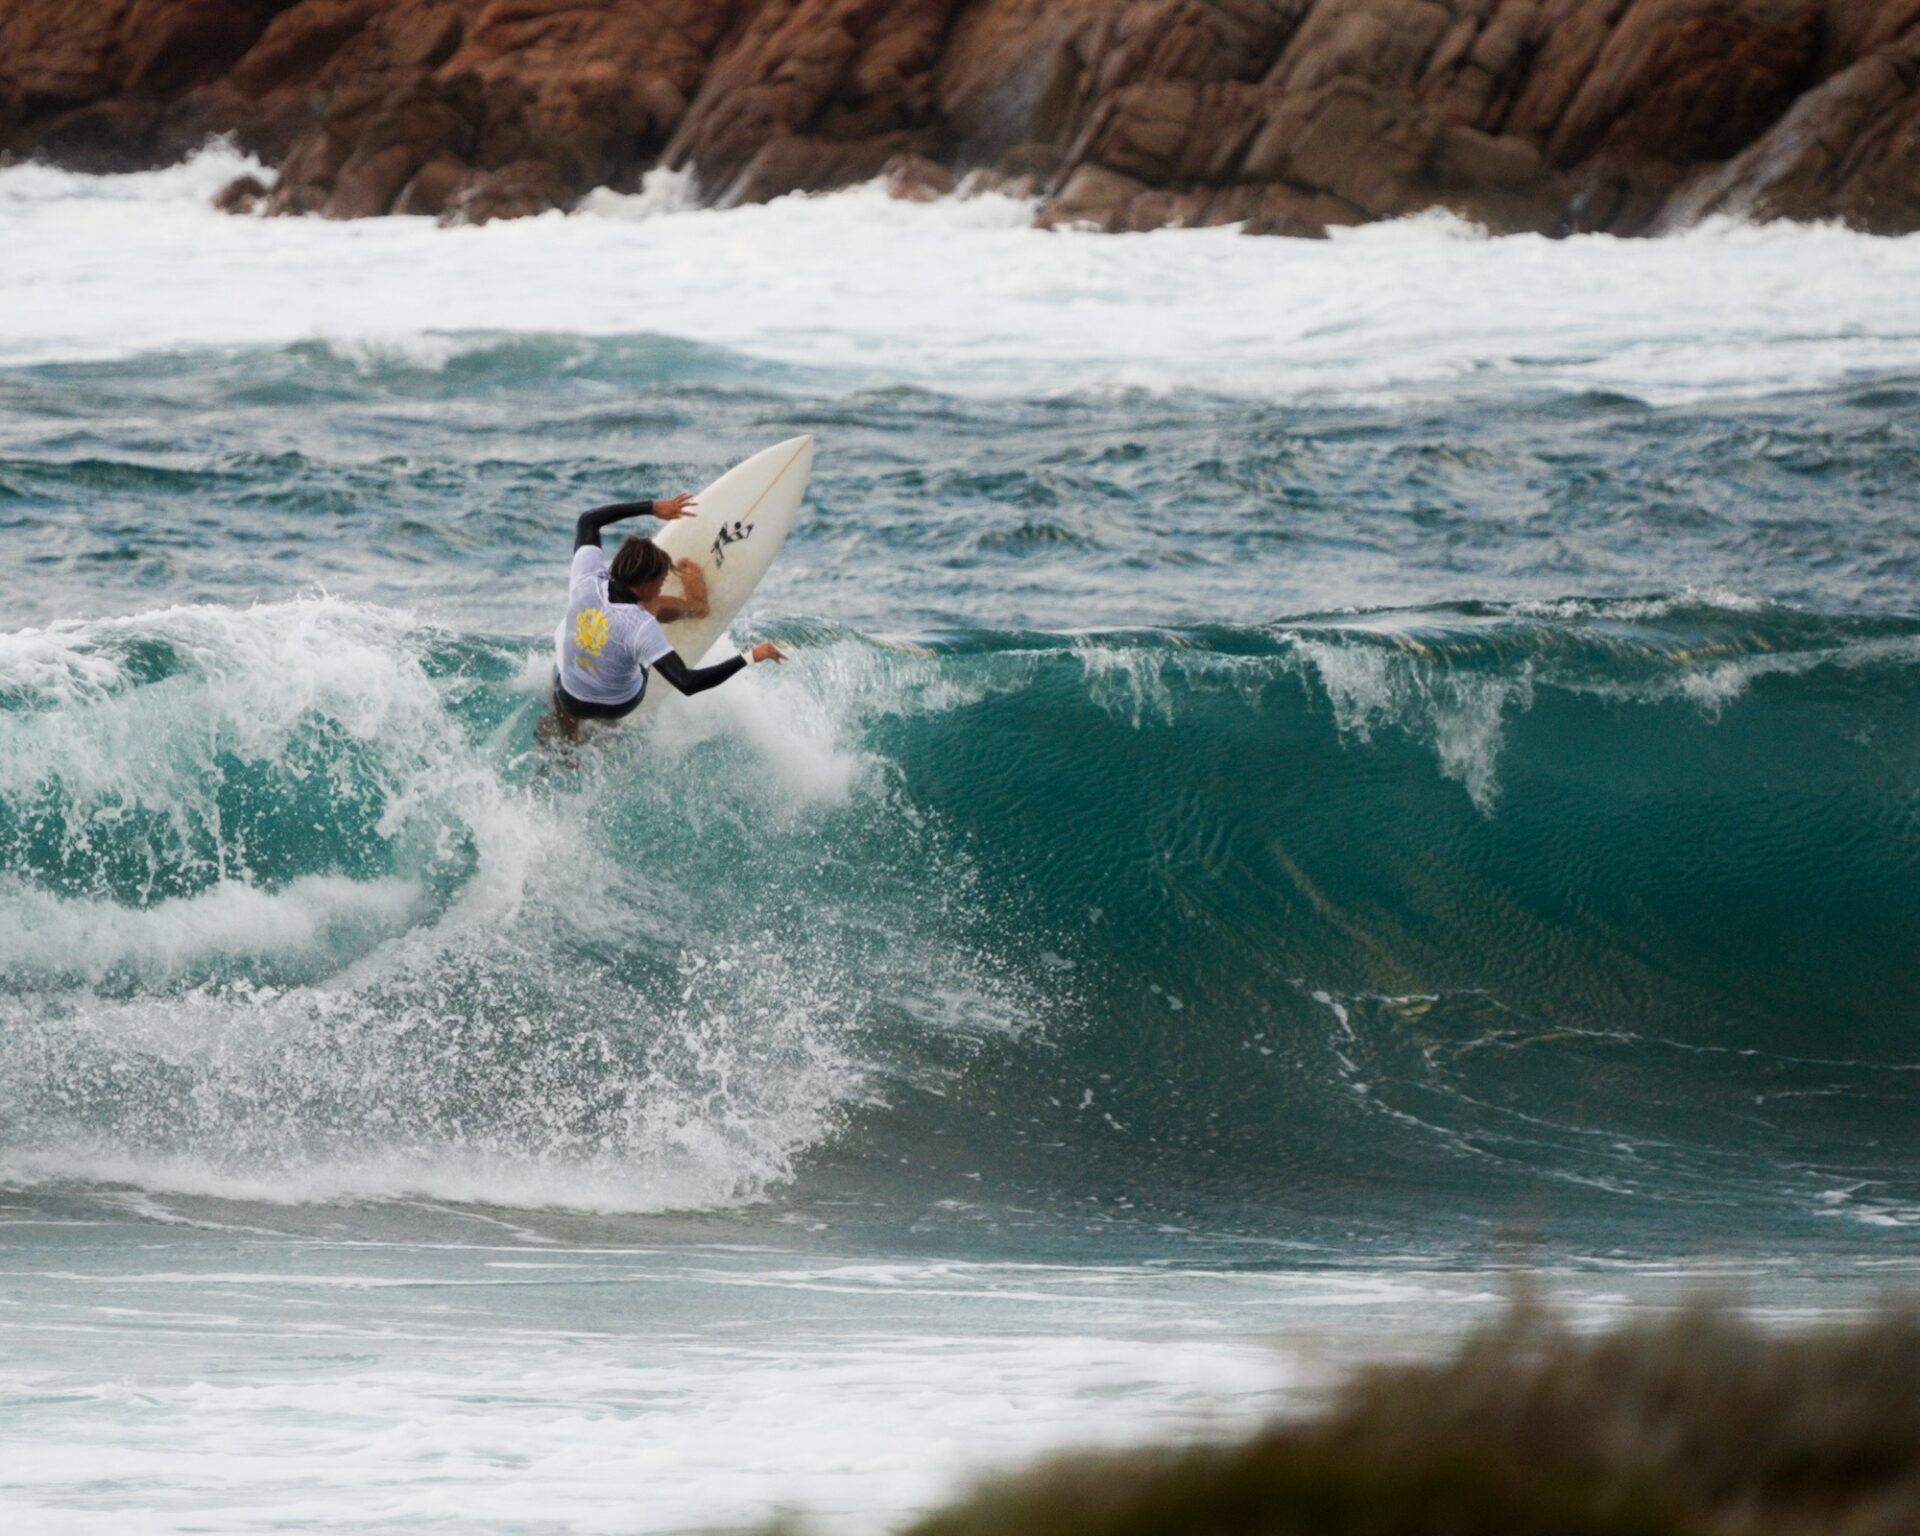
(1302, 760)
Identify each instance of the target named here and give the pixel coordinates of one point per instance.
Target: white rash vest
(603, 649)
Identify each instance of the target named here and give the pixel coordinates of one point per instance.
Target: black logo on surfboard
(730, 533)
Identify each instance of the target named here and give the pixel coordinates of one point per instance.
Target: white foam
(564, 1434)
(635, 1183)
(385, 1387)
(1129, 684)
(662, 191)
(1462, 715)
(251, 684)
(95, 939)
(395, 1011)
(963, 295)
(1713, 685)
(1628, 609)
(804, 749)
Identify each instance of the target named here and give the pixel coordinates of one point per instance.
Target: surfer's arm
(697, 679)
(693, 603)
(586, 529)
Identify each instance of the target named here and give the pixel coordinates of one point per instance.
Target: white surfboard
(737, 526)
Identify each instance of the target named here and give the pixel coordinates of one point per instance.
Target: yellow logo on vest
(590, 634)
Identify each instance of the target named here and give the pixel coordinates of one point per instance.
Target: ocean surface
(1314, 775)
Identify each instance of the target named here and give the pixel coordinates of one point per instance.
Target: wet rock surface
(1283, 116)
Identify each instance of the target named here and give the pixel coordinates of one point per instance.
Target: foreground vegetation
(1699, 1424)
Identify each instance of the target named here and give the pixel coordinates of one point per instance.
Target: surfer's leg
(568, 712)
(556, 725)
(561, 724)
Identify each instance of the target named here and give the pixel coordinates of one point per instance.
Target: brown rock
(1033, 159)
(791, 163)
(90, 84)
(1093, 198)
(1278, 209)
(371, 143)
(102, 137)
(1386, 43)
(1024, 171)
(1689, 80)
(1367, 146)
(591, 89)
(512, 192)
(434, 187)
(369, 182)
(243, 194)
(833, 73)
(172, 44)
(1618, 115)
(1855, 139)
(1495, 179)
(1146, 129)
(916, 179)
(1011, 76)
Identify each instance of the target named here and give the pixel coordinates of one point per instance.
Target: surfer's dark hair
(639, 563)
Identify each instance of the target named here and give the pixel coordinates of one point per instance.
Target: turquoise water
(1221, 864)
(1513, 893)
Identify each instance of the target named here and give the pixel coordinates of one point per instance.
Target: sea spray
(276, 910)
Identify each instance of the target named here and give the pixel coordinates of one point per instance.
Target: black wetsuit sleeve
(587, 529)
(697, 679)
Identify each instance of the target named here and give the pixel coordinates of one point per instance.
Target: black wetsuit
(670, 666)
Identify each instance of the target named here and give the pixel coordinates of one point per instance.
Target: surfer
(610, 638)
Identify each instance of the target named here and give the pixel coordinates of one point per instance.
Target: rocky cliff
(1631, 116)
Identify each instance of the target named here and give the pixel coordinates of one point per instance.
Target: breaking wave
(1612, 896)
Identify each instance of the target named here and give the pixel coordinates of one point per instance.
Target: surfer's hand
(766, 650)
(674, 507)
(690, 571)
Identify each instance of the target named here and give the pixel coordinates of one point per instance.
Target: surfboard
(737, 527)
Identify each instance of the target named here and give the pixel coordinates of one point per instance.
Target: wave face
(1590, 902)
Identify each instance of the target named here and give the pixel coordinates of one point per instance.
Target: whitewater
(964, 296)
(1313, 773)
